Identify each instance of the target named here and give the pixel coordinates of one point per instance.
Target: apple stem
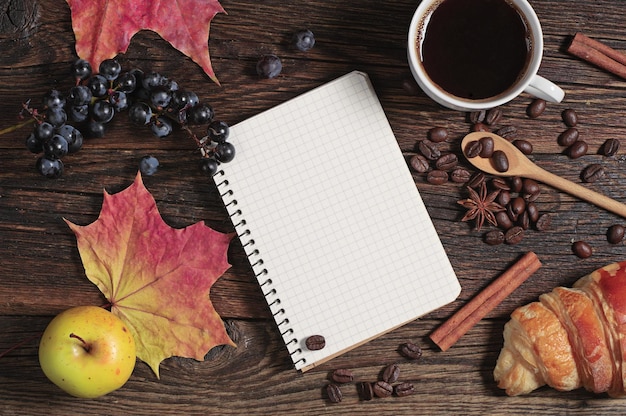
(86, 346)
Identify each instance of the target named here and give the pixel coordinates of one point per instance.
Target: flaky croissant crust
(571, 338)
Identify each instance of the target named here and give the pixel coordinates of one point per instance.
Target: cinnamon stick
(598, 54)
(478, 307)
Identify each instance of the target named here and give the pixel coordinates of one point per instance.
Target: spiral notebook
(332, 223)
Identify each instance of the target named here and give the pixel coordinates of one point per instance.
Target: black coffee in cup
(474, 49)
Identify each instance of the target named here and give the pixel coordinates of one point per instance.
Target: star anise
(481, 206)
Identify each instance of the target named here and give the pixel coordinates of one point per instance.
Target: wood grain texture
(41, 273)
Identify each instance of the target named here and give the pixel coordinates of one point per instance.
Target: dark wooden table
(41, 273)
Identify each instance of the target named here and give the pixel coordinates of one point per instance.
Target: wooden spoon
(520, 165)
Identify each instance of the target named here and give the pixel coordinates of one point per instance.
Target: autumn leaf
(104, 28)
(156, 278)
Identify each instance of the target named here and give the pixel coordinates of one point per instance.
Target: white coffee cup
(528, 81)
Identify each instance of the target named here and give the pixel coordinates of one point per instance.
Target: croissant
(571, 338)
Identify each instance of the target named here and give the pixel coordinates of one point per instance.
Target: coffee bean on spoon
(487, 147)
(473, 149)
(500, 161)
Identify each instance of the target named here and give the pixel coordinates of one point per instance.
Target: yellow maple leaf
(156, 278)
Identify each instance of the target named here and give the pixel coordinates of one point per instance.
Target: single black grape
(43, 131)
(200, 114)
(153, 80)
(81, 69)
(160, 97)
(73, 136)
(98, 85)
(79, 113)
(79, 95)
(119, 100)
(102, 111)
(110, 69)
(148, 165)
(161, 127)
(126, 82)
(209, 166)
(304, 40)
(218, 131)
(56, 116)
(269, 66)
(225, 152)
(140, 113)
(192, 99)
(34, 144)
(94, 129)
(50, 168)
(53, 100)
(180, 100)
(55, 147)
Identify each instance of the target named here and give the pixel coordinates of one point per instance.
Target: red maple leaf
(104, 28)
(156, 278)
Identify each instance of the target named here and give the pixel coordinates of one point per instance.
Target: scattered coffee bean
(477, 116)
(493, 116)
(494, 237)
(334, 393)
(473, 149)
(544, 222)
(514, 235)
(518, 205)
(447, 162)
(419, 163)
(437, 177)
(503, 198)
(499, 161)
(429, 149)
(615, 234)
(533, 212)
(577, 149)
(391, 373)
(536, 108)
(524, 146)
(365, 390)
(476, 180)
(382, 389)
(342, 376)
(582, 249)
(524, 220)
(487, 147)
(570, 118)
(404, 389)
(503, 220)
(460, 175)
(530, 186)
(501, 184)
(511, 213)
(438, 134)
(315, 342)
(610, 147)
(410, 350)
(508, 132)
(516, 184)
(480, 127)
(568, 137)
(592, 173)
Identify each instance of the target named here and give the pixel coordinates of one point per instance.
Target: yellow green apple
(87, 351)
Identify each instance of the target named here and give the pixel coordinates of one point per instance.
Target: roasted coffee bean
(503, 220)
(533, 212)
(499, 161)
(342, 375)
(429, 149)
(516, 183)
(592, 173)
(582, 249)
(544, 222)
(477, 116)
(500, 183)
(615, 233)
(334, 393)
(315, 342)
(524, 220)
(480, 127)
(518, 205)
(419, 164)
(391, 373)
(524, 146)
(503, 198)
(438, 134)
(473, 149)
(437, 177)
(476, 180)
(610, 147)
(494, 237)
(530, 186)
(382, 389)
(577, 149)
(493, 116)
(536, 108)
(410, 350)
(511, 213)
(487, 147)
(531, 197)
(365, 390)
(514, 235)
(404, 389)
(570, 118)
(460, 175)
(568, 137)
(508, 132)
(447, 162)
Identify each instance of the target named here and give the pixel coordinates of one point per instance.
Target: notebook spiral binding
(256, 261)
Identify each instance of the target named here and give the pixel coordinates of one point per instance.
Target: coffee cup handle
(542, 88)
